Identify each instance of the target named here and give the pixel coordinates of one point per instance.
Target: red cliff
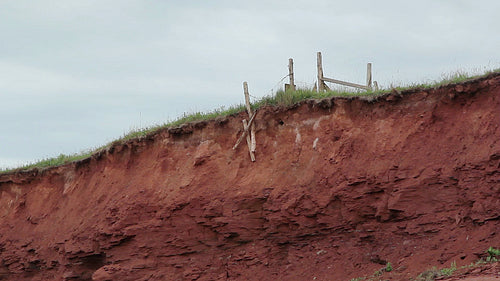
(340, 187)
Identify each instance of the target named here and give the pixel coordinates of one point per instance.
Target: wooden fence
(249, 126)
(321, 86)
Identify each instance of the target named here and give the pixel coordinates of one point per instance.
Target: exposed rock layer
(340, 187)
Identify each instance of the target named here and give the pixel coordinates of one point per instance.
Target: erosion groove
(340, 187)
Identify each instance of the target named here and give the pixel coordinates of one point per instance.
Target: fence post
(249, 141)
(321, 87)
(369, 75)
(291, 87)
(247, 98)
(253, 144)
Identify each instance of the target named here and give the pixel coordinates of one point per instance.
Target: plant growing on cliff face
(449, 271)
(493, 254)
(388, 267)
(432, 274)
(428, 275)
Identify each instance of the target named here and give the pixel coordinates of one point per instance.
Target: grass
(185, 118)
(432, 274)
(54, 161)
(446, 79)
(281, 98)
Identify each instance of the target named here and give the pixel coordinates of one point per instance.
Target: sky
(75, 75)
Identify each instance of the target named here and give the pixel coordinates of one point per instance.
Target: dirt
(340, 187)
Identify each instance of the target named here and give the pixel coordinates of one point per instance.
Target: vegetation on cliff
(280, 98)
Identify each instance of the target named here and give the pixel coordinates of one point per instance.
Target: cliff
(340, 187)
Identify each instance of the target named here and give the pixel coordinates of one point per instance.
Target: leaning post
(253, 144)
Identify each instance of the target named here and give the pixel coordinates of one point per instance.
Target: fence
(249, 127)
(321, 85)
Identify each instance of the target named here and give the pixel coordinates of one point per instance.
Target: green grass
(53, 161)
(185, 118)
(432, 274)
(449, 78)
(281, 98)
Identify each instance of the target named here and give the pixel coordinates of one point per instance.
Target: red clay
(340, 187)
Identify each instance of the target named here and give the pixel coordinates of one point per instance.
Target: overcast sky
(75, 75)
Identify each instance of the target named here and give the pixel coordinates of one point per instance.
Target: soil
(340, 187)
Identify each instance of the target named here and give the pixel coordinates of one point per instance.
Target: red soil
(340, 187)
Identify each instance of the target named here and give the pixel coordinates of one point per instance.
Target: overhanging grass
(449, 78)
(185, 118)
(281, 98)
(53, 161)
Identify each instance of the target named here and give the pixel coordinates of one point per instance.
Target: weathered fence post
(291, 87)
(321, 87)
(369, 75)
(247, 97)
(253, 144)
(245, 130)
(249, 141)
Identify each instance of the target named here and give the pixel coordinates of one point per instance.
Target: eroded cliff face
(340, 187)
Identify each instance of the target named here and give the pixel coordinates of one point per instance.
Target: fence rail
(322, 79)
